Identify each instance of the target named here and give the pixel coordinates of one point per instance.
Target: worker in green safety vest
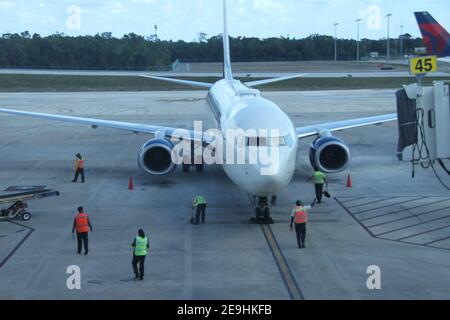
(141, 246)
(200, 205)
(319, 179)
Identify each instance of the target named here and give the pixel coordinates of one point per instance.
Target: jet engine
(155, 157)
(329, 154)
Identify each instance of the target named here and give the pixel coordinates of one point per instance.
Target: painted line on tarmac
(354, 217)
(417, 216)
(412, 226)
(389, 205)
(282, 264)
(403, 240)
(371, 202)
(425, 232)
(407, 209)
(435, 241)
(9, 256)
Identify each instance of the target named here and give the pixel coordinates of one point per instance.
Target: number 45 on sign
(422, 65)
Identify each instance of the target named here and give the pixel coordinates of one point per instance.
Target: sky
(185, 19)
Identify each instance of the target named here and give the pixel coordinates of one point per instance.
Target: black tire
(266, 213)
(273, 200)
(186, 168)
(26, 216)
(259, 213)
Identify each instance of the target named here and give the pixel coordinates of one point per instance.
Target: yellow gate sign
(422, 65)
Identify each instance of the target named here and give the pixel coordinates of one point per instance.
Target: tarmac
(310, 69)
(359, 74)
(187, 73)
(386, 219)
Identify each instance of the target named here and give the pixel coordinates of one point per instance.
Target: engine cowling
(155, 157)
(329, 154)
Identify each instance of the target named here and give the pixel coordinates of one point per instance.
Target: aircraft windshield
(268, 141)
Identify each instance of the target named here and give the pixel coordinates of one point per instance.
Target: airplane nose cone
(271, 184)
(275, 177)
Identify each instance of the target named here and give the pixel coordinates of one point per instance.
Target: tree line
(135, 52)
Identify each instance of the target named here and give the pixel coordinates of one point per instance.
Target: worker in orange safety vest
(79, 168)
(299, 217)
(82, 224)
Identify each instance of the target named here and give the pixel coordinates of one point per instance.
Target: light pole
(388, 16)
(401, 41)
(335, 41)
(357, 40)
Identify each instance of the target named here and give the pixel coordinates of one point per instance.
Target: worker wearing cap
(200, 205)
(82, 224)
(141, 246)
(79, 168)
(319, 179)
(299, 217)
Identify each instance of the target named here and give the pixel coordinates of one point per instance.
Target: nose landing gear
(262, 215)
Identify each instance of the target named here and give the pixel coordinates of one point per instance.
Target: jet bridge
(424, 124)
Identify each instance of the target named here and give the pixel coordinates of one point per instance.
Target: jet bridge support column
(424, 125)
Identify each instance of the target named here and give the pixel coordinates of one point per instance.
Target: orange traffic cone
(131, 184)
(349, 182)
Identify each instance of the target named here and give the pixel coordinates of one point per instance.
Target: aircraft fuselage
(233, 106)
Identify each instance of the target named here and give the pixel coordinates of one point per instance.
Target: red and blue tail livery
(435, 37)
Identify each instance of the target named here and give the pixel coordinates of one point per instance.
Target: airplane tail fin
(227, 72)
(435, 37)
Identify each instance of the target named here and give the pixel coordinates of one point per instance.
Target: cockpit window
(256, 141)
(268, 141)
(277, 141)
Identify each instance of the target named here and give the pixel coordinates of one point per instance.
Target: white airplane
(236, 105)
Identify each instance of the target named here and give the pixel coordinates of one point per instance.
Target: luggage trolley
(19, 206)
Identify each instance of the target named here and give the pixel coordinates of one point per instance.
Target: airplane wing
(95, 123)
(272, 80)
(313, 130)
(302, 132)
(179, 81)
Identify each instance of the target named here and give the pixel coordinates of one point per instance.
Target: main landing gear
(199, 164)
(262, 215)
(187, 167)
